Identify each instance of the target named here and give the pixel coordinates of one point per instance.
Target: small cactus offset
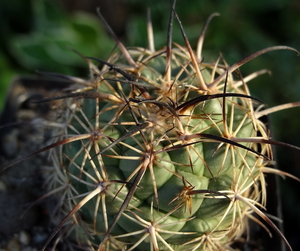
(160, 150)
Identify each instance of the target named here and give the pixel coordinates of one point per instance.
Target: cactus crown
(160, 150)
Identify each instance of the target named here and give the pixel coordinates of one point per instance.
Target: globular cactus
(160, 150)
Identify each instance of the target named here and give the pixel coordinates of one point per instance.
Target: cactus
(160, 150)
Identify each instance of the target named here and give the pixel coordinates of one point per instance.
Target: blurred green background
(38, 35)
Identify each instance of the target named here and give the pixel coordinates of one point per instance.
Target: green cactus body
(161, 151)
(159, 144)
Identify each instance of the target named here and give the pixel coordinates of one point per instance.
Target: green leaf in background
(49, 45)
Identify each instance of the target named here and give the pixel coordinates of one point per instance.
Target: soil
(25, 226)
